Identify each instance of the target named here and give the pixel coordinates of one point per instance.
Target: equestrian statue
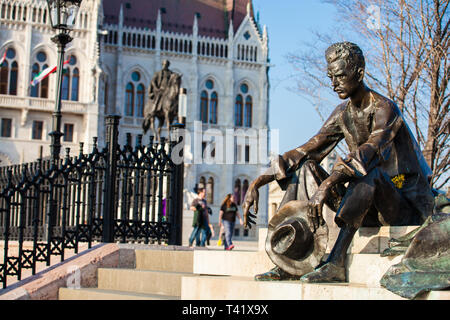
(162, 103)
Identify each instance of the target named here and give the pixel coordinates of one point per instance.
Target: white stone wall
(29, 33)
(110, 65)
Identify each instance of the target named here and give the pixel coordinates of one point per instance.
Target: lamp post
(62, 18)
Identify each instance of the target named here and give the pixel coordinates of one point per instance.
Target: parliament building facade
(219, 48)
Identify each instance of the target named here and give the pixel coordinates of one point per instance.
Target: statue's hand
(316, 206)
(251, 198)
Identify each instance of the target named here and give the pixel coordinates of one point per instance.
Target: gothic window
(9, 71)
(71, 80)
(209, 103)
(202, 182)
(75, 84)
(210, 190)
(65, 85)
(4, 75)
(248, 112)
(140, 100)
(129, 99)
(34, 72)
(134, 96)
(243, 113)
(244, 189)
(238, 111)
(204, 107)
(40, 89)
(213, 108)
(208, 185)
(237, 191)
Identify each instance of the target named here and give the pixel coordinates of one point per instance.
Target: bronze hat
(291, 243)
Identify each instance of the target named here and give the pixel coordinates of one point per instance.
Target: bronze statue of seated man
(386, 176)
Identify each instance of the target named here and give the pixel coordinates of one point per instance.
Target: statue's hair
(349, 52)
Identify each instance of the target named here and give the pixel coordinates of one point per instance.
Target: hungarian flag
(45, 73)
(3, 59)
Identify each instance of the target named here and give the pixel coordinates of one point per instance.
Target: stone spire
(158, 21)
(121, 15)
(231, 30)
(250, 8)
(195, 26)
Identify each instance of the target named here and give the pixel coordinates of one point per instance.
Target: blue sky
(289, 24)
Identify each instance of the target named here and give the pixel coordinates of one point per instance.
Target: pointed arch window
(140, 100)
(65, 85)
(209, 102)
(238, 111)
(204, 107)
(40, 90)
(34, 72)
(202, 182)
(213, 108)
(44, 84)
(9, 72)
(210, 190)
(4, 73)
(237, 191)
(248, 112)
(13, 78)
(129, 99)
(244, 189)
(243, 113)
(71, 80)
(134, 96)
(75, 84)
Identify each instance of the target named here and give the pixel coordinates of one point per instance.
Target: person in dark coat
(200, 218)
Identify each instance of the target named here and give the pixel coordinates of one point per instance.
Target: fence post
(112, 134)
(176, 222)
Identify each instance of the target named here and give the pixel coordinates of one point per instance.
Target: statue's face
(343, 79)
(165, 64)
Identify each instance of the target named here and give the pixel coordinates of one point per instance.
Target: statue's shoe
(329, 272)
(275, 274)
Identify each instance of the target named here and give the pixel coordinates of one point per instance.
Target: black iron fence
(117, 194)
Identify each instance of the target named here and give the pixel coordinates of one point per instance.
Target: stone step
(366, 240)
(99, 294)
(165, 260)
(233, 263)
(362, 268)
(141, 281)
(245, 288)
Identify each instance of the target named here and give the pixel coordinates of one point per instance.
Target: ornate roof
(178, 15)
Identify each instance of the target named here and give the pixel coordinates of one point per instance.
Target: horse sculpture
(167, 109)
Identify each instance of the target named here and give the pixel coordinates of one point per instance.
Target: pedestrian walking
(227, 218)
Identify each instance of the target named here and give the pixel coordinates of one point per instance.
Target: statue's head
(345, 68)
(165, 64)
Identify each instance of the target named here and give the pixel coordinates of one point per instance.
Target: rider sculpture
(162, 104)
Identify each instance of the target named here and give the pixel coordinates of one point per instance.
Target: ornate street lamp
(62, 18)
